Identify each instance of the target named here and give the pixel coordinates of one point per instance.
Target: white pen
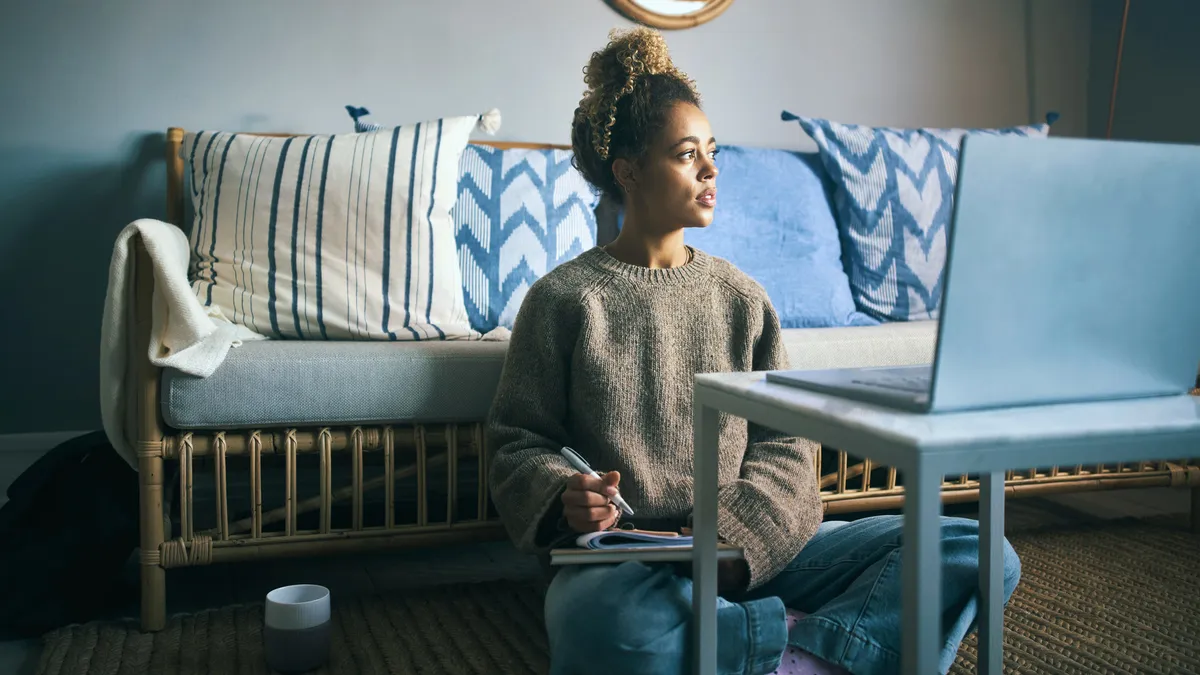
(582, 467)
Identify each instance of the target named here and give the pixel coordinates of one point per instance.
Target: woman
(602, 358)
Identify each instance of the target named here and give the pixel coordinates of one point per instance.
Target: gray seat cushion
(300, 383)
(897, 343)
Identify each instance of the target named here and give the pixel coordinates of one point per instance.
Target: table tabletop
(971, 440)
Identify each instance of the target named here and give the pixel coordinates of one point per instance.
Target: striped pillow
(340, 237)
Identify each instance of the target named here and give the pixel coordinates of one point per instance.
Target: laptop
(1070, 276)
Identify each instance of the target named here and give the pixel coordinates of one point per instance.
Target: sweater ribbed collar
(694, 269)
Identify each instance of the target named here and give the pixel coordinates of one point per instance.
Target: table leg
(921, 569)
(991, 572)
(704, 542)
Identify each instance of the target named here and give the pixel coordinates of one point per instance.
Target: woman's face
(675, 184)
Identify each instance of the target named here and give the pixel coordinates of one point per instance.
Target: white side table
(924, 448)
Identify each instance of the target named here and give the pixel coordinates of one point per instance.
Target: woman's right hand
(586, 505)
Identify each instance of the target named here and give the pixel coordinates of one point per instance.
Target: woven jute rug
(1107, 597)
(1114, 597)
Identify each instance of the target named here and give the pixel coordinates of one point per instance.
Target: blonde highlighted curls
(613, 72)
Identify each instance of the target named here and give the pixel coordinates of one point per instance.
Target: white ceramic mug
(296, 628)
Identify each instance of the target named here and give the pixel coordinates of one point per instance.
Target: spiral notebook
(612, 546)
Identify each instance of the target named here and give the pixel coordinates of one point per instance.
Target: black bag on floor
(66, 532)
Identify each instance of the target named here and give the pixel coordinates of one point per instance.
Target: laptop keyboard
(916, 383)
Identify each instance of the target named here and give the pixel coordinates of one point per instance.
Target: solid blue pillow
(774, 221)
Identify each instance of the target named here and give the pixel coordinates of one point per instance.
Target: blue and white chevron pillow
(519, 214)
(893, 196)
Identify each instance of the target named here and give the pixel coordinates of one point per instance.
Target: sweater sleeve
(774, 507)
(526, 425)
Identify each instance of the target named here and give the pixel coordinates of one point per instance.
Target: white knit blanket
(184, 334)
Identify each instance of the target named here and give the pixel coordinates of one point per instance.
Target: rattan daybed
(220, 495)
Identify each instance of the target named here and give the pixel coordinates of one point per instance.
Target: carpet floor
(1110, 596)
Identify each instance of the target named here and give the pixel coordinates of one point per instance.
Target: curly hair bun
(612, 73)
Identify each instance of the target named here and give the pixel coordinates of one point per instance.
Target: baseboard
(33, 442)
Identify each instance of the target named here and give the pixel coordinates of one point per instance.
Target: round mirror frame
(635, 12)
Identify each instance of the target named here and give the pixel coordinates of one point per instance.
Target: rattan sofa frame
(411, 450)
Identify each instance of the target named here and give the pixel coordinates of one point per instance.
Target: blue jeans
(634, 618)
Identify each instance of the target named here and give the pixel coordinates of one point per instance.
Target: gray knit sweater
(602, 360)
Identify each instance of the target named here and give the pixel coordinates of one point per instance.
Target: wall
(89, 87)
(1158, 97)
